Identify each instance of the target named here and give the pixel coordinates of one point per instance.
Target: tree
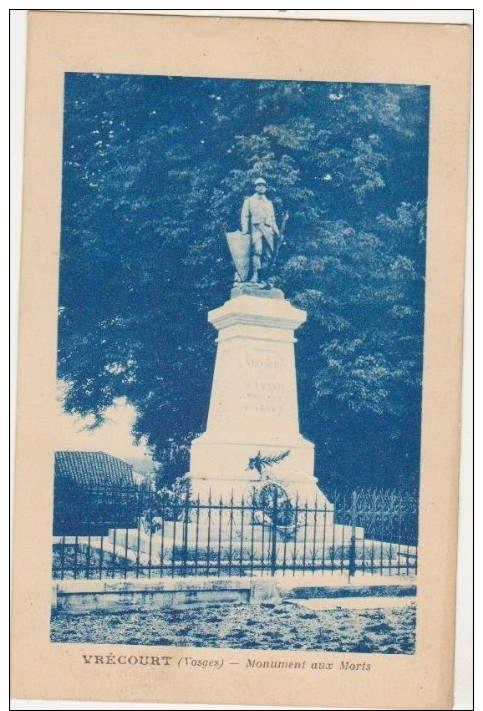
(155, 170)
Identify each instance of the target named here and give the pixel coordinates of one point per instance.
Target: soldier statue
(258, 220)
(254, 248)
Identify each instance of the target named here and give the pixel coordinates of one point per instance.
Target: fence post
(352, 547)
(273, 551)
(185, 532)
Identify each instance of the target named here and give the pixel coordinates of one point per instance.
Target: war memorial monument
(253, 408)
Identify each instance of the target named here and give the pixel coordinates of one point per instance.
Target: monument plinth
(253, 406)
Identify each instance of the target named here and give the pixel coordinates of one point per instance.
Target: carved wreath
(273, 506)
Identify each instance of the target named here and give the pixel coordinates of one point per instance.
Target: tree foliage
(155, 171)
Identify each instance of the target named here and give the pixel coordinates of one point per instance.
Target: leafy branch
(260, 462)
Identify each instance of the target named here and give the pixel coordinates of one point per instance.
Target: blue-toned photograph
(240, 353)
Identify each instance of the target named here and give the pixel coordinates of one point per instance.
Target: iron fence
(264, 534)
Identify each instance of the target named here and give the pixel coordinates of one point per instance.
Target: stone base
(212, 456)
(253, 404)
(301, 488)
(218, 544)
(246, 288)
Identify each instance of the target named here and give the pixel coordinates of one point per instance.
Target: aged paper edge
(445, 78)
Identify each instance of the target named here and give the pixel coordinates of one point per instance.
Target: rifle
(280, 242)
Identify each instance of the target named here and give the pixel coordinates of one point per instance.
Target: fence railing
(133, 532)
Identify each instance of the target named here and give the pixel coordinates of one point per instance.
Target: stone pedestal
(253, 406)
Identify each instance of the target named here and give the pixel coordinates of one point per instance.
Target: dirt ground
(279, 626)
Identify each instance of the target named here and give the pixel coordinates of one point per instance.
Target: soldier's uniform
(258, 220)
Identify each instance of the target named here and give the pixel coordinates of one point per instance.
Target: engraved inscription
(265, 363)
(265, 394)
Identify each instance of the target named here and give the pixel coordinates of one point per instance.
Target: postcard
(240, 361)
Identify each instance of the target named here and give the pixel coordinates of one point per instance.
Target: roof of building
(93, 469)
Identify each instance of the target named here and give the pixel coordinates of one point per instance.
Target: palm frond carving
(260, 461)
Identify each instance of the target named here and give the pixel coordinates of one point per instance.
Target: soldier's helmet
(259, 181)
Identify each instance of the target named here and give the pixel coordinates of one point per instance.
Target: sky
(113, 437)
